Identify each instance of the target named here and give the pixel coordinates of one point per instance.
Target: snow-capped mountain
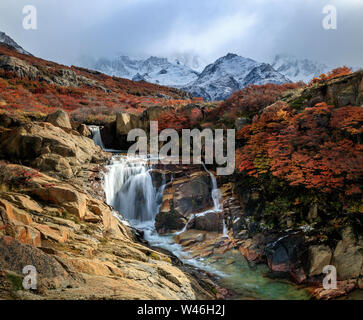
(10, 42)
(299, 69)
(217, 81)
(154, 69)
(231, 73)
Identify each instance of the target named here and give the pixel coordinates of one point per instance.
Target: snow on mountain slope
(154, 69)
(298, 69)
(217, 81)
(231, 73)
(10, 42)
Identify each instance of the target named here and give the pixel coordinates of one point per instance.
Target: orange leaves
(338, 72)
(104, 91)
(317, 148)
(252, 99)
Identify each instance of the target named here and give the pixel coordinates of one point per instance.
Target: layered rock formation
(78, 245)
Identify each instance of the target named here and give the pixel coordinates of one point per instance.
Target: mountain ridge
(4, 38)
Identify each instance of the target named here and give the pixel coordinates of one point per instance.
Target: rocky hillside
(35, 85)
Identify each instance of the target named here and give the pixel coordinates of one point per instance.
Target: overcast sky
(257, 29)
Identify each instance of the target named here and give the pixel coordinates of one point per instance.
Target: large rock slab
(50, 148)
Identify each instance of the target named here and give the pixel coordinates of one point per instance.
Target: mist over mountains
(189, 72)
(215, 81)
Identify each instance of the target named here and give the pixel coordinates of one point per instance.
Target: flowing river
(129, 189)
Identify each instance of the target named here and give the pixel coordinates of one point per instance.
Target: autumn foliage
(338, 72)
(318, 148)
(107, 96)
(251, 100)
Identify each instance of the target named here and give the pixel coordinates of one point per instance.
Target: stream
(129, 189)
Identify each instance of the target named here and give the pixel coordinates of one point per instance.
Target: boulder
(193, 194)
(182, 197)
(285, 256)
(60, 119)
(319, 257)
(348, 256)
(125, 122)
(211, 221)
(168, 222)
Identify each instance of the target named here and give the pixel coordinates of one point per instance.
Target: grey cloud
(211, 28)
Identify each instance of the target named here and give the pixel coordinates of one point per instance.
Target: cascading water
(216, 193)
(96, 134)
(129, 189)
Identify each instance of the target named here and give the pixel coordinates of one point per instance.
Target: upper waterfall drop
(96, 135)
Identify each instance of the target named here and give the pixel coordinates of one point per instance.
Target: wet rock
(253, 249)
(168, 222)
(285, 256)
(184, 196)
(343, 288)
(211, 221)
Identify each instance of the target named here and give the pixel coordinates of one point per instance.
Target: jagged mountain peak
(153, 69)
(231, 73)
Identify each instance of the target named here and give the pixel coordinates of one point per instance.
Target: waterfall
(96, 134)
(129, 189)
(216, 193)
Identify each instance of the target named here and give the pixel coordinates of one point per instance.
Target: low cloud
(258, 29)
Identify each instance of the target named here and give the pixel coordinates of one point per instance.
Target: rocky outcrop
(340, 92)
(319, 257)
(348, 256)
(50, 149)
(63, 77)
(78, 246)
(19, 67)
(53, 218)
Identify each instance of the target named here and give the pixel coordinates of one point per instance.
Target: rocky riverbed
(58, 214)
